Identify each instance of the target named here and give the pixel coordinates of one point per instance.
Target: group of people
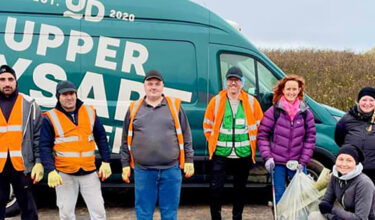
(287, 134)
(351, 193)
(62, 143)
(157, 145)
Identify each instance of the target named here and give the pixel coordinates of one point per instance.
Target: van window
(266, 82)
(266, 79)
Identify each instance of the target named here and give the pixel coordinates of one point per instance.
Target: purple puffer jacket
(290, 140)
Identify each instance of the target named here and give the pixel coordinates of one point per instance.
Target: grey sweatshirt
(155, 144)
(355, 192)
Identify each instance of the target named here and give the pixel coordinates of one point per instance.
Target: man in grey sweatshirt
(157, 143)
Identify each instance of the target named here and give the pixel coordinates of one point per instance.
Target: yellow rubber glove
(126, 174)
(54, 179)
(189, 170)
(37, 172)
(105, 171)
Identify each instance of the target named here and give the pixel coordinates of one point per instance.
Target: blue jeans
(157, 186)
(280, 173)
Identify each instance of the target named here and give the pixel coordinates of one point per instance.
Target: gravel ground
(258, 212)
(194, 205)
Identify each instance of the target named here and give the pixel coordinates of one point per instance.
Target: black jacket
(352, 129)
(355, 192)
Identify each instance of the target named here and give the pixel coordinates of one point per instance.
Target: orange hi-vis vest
(74, 144)
(215, 113)
(11, 136)
(174, 106)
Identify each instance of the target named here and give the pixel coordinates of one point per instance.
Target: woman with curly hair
(287, 132)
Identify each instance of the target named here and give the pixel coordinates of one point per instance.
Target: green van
(105, 48)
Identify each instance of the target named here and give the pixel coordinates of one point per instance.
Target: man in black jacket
(67, 149)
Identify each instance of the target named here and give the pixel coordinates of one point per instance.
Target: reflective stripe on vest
(174, 107)
(172, 102)
(230, 143)
(75, 154)
(11, 153)
(133, 109)
(236, 131)
(11, 136)
(74, 144)
(251, 101)
(4, 129)
(208, 121)
(242, 143)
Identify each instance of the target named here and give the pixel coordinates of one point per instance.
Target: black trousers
(239, 168)
(22, 189)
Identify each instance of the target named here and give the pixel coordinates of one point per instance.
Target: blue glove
(325, 207)
(270, 164)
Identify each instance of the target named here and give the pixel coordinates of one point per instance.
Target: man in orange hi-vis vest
(157, 144)
(230, 126)
(67, 150)
(20, 121)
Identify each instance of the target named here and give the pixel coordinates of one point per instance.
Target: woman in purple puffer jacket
(288, 135)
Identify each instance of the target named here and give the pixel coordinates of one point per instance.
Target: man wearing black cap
(67, 149)
(230, 126)
(20, 121)
(157, 144)
(357, 127)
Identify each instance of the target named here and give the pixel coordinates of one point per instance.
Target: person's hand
(300, 167)
(54, 179)
(325, 207)
(292, 165)
(126, 174)
(189, 170)
(37, 173)
(270, 164)
(105, 171)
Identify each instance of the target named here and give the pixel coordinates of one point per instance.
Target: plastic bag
(299, 199)
(323, 180)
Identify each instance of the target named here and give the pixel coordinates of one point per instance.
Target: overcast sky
(323, 24)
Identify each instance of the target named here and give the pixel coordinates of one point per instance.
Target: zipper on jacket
(233, 126)
(233, 133)
(290, 134)
(32, 108)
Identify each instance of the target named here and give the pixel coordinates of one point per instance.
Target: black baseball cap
(153, 74)
(234, 72)
(65, 86)
(7, 69)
